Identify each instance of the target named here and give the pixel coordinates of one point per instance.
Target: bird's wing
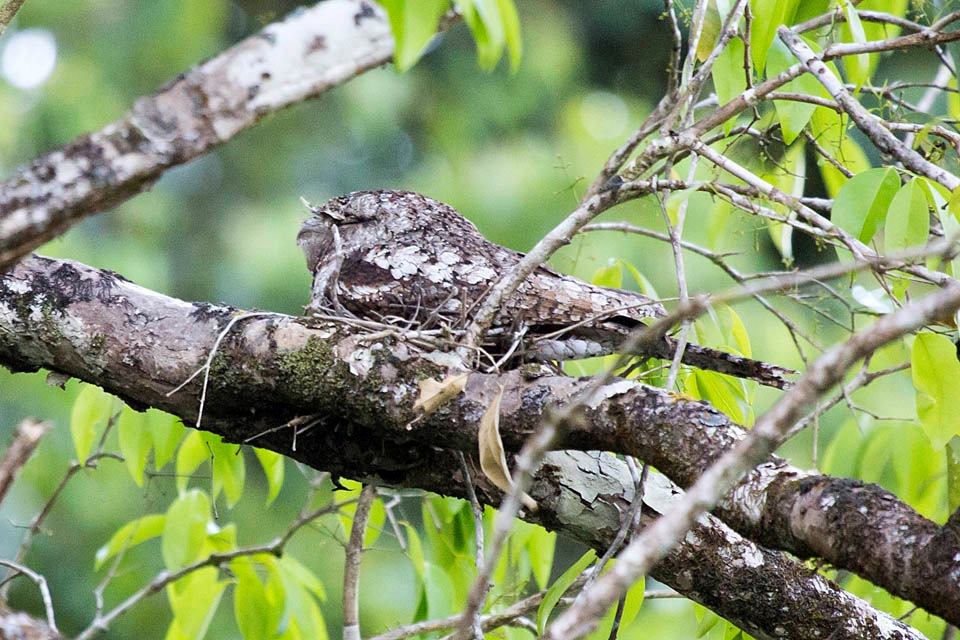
(553, 299)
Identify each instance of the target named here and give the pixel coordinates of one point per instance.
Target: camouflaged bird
(400, 256)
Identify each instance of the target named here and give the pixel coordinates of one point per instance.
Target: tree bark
(360, 387)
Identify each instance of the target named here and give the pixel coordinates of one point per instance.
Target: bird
(404, 258)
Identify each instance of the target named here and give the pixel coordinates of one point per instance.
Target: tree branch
(722, 476)
(286, 63)
(139, 345)
(8, 11)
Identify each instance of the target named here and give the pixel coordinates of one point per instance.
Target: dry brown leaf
(433, 393)
(493, 460)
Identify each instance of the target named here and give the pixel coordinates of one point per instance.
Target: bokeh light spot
(29, 58)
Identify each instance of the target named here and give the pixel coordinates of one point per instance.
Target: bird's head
(338, 218)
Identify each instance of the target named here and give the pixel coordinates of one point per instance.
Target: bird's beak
(322, 211)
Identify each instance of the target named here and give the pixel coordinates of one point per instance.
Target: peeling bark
(287, 62)
(140, 345)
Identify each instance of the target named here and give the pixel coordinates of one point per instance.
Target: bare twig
(870, 124)
(205, 369)
(41, 583)
(102, 621)
(8, 11)
(488, 622)
(35, 524)
(351, 568)
(476, 507)
(770, 429)
(29, 433)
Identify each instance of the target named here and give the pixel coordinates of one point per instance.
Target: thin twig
(205, 369)
(477, 509)
(475, 623)
(8, 11)
(489, 622)
(102, 621)
(41, 583)
(661, 536)
(527, 460)
(34, 528)
(351, 568)
(25, 441)
(868, 123)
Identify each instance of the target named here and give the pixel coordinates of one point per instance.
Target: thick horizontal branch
(286, 63)
(360, 389)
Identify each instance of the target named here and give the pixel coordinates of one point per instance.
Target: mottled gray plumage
(388, 255)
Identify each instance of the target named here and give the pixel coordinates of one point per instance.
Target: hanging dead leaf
(433, 393)
(493, 460)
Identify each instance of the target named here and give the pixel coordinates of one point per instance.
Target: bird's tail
(702, 357)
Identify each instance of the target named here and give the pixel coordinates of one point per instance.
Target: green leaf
(483, 19)
(540, 547)
(250, 607)
(633, 602)
(729, 77)
(221, 539)
(511, 32)
(936, 378)
(858, 66)
(793, 115)
(229, 470)
(608, 276)
(91, 408)
(709, 32)
(722, 391)
(130, 535)
(953, 474)
(908, 218)
(837, 460)
(738, 332)
(374, 522)
(718, 222)
(556, 591)
(767, 16)
(185, 530)
(414, 24)
(166, 432)
(444, 536)
(830, 130)
(378, 515)
(194, 600)
(135, 442)
(295, 571)
(303, 591)
(415, 549)
(646, 287)
(862, 202)
(439, 589)
(708, 620)
(490, 28)
(257, 608)
(273, 467)
(914, 462)
(953, 99)
(193, 452)
(788, 176)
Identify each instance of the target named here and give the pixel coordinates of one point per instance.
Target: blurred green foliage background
(508, 151)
